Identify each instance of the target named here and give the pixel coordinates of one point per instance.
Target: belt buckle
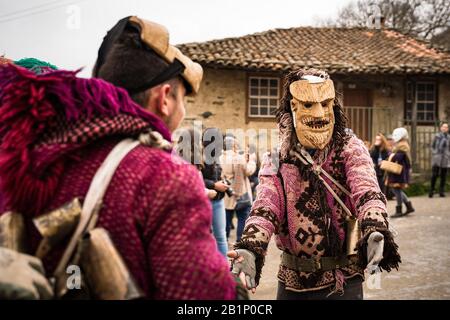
(317, 265)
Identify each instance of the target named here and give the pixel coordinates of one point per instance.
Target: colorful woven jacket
(308, 222)
(56, 130)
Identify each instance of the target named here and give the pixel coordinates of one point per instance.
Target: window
(425, 96)
(263, 96)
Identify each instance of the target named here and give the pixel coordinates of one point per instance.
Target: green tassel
(34, 64)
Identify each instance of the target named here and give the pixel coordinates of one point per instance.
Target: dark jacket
(401, 156)
(374, 154)
(211, 174)
(440, 149)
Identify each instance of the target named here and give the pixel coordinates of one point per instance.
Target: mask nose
(317, 110)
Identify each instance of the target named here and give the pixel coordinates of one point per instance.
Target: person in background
(390, 145)
(440, 160)
(237, 167)
(254, 180)
(398, 183)
(212, 176)
(390, 142)
(379, 152)
(230, 218)
(367, 144)
(192, 152)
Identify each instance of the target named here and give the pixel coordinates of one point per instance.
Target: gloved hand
(22, 277)
(375, 245)
(243, 266)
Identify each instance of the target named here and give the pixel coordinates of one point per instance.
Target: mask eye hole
(308, 105)
(325, 103)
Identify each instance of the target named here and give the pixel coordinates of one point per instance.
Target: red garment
(155, 207)
(161, 231)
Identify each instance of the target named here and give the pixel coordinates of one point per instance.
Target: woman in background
(189, 148)
(367, 144)
(212, 176)
(237, 167)
(379, 152)
(398, 183)
(390, 145)
(254, 179)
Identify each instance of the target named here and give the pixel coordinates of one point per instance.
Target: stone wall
(223, 95)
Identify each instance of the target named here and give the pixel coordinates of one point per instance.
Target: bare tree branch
(419, 18)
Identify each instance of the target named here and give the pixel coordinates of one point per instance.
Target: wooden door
(358, 107)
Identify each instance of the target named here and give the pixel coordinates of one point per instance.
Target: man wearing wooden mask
(321, 200)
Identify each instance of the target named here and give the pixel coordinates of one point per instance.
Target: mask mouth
(316, 123)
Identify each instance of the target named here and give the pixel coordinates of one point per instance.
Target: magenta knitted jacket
(56, 130)
(159, 219)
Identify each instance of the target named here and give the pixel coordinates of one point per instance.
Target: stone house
(381, 74)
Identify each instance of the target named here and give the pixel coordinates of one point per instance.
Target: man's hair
(130, 62)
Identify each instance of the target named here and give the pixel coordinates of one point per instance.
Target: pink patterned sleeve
(369, 202)
(265, 216)
(362, 180)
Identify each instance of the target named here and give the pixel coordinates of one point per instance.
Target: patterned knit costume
(56, 130)
(305, 218)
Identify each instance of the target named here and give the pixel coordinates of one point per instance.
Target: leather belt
(313, 264)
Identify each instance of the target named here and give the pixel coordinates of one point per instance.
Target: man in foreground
(65, 127)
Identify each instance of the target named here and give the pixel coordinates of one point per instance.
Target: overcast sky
(68, 33)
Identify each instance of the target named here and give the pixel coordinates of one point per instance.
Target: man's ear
(161, 94)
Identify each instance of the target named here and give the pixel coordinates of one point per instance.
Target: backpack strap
(94, 198)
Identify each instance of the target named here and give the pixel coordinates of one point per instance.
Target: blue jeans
(218, 225)
(400, 196)
(242, 216)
